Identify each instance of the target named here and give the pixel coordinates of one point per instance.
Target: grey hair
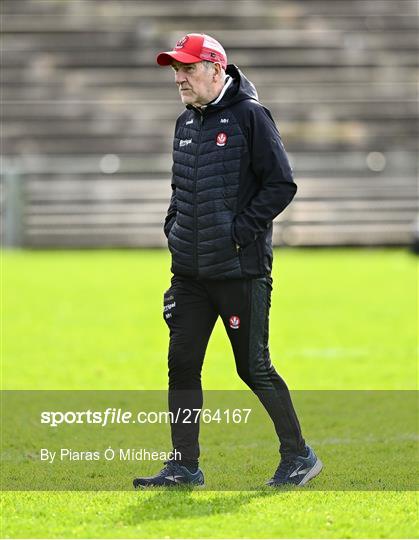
(207, 64)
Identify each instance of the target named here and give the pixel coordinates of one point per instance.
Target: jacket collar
(227, 83)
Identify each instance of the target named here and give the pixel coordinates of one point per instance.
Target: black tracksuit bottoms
(191, 308)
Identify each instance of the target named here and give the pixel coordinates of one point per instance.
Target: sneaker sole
(312, 473)
(169, 487)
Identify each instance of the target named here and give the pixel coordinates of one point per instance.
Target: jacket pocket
(230, 197)
(170, 236)
(249, 260)
(260, 241)
(168, 226)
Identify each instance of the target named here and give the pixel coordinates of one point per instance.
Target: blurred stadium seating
(87, 116)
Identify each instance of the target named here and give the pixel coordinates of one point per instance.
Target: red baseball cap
(194, 48)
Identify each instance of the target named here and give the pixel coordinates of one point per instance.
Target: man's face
(195, 82)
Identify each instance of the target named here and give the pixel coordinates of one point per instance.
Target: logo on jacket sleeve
(221, 139)
(234, 322)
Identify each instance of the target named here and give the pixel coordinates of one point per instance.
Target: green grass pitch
(340, 319)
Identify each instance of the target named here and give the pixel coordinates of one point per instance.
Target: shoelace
(170, 467)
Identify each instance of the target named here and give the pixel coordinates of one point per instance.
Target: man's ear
(217, 71)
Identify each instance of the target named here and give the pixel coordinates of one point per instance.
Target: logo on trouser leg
(169, 305)
(234, 322)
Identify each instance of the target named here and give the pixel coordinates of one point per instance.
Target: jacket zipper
(195, 206)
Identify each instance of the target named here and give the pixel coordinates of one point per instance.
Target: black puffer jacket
(231, 178)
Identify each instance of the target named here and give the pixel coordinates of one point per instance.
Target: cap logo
(194, 48)
(181, 42)
(221, 139)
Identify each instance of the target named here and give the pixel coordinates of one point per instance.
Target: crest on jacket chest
(218, 131)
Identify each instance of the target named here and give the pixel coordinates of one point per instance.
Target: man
(231, 178)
